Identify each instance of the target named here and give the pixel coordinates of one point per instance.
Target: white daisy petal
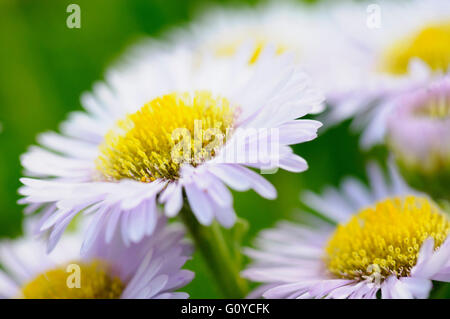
(293, 163)
(7, 286)
(397, 289)
(431, 262)
(144, 269)
(257, 182)
(419, 288)
(112, 222)
(230, 176)
(226, 216)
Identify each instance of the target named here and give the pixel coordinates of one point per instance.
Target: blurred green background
(45, 66)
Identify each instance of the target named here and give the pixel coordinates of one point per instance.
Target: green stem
(211, 243)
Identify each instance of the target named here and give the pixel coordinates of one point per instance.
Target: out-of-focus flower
(163, 126)
(383, 241)
(148, 269)
(290, 27)
(287, 26)
(418, 133)
(387, 49)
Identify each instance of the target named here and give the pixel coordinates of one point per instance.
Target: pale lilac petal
(324, 287)
(425, 253)
(283, 290)
(225, 216)
(179, 279)
(298, 131)
(392, 288)
(68, 146)
(124, 227)
(257, 182)
(344, 291)
(173, 295)
(58, 230)
(92, 232)
(112, 222)
(151, 217)
(231, 177)
(220, 194)
(8, 288)
(136, 223)
(156, 286)
(431, 262)
(443, 275)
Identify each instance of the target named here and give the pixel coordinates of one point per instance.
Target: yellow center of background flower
(438, 108)
(385, 239)
(95, 283)
(431, 45)
(229, 48)
(148, 144)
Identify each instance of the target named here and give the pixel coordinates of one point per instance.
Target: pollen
(431, 45)
(385, 239)
(94, 282)
(167, 132)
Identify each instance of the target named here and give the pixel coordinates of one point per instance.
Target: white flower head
(166, 125)
(368, 66)
(418, 128)
(148, 269)
(385, 241)
(418, 133)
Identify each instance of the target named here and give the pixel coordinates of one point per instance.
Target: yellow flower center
(385, 240)
(437, 108)
(76, 281)
(168, 131)
(229, 48)
(431, 45)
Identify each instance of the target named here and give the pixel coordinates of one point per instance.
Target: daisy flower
(385, 49)
(149, 269)
(165, 127)
(418, 132)
(222, 31)
(383, 241)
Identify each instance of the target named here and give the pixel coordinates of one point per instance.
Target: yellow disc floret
(230, 47)
(431, 45)
(168, 131)
(75, 281)
(385, 240)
